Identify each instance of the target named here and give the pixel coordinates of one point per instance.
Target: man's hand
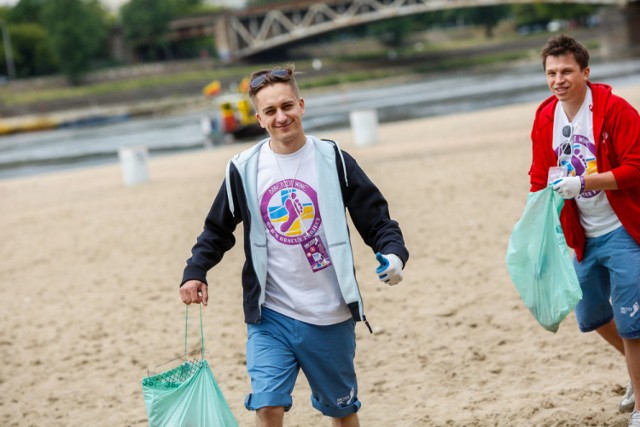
(194, 292)
(568, 187)
(390, 269)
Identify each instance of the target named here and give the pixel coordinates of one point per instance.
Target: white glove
(390, 269)
(568, 187)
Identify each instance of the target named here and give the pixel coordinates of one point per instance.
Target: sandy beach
(90, 272)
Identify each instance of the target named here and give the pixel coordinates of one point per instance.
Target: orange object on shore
(212, 88)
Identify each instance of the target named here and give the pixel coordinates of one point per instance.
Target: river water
(49, 151)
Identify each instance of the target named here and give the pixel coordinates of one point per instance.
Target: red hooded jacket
(616, 129)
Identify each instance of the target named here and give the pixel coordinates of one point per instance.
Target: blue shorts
(278, 347)
(609, 276)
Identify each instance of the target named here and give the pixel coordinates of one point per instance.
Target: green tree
(29, 44)
(487, 16)
(31, 53)
(263, 2)
(145, 24)
(182, 7)
(77, 30)
(392, 32)
(27, 11)
(542, 13)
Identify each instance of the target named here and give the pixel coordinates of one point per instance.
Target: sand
(90, 272)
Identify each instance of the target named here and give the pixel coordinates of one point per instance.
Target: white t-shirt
(301, 279)
(596, 216)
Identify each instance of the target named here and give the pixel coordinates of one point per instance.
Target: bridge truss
(250, 31)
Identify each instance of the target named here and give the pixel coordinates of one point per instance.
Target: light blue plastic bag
(186, 396)
(539, 263)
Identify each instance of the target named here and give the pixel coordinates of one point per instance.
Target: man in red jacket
(594, 137)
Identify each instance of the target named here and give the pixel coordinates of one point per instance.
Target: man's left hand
(568, 187)
(390, 269)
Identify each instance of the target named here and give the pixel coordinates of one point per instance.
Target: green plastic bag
(186, 396)
(539, 262)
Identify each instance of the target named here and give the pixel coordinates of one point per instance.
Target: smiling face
(566, 80)
(279, 110)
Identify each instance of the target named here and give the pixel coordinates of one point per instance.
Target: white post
(364, 124)
(133, 162)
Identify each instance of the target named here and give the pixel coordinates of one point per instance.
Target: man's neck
(290, 147)
(571, 108)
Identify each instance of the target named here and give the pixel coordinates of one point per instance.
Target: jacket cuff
(194, 273)
(400, 251)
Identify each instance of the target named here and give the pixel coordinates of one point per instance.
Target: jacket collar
(600, 94)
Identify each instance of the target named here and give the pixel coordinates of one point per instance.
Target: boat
(233, 117)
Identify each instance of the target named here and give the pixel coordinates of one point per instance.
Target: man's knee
(270, 416)
(348, 421)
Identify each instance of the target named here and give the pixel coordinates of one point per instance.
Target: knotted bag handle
(186, 330)
(186, 354)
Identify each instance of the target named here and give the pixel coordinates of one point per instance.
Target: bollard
(364, 125)
(133, 162)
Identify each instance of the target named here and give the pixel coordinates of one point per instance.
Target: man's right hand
(194, 292)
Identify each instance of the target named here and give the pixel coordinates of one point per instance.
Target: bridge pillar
(621, 31)
(222, 40)
(632, 11)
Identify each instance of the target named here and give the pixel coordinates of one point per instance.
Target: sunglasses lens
(258, 81)
(280, 73)
(566, 131)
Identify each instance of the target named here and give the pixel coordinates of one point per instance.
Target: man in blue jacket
(301, 299)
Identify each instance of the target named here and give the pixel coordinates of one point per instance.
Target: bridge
(243, 33)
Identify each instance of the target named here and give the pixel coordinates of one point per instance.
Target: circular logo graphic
(289, 210)
(579, 159)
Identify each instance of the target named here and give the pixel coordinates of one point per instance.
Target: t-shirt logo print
(579, 158)
(289, 210)
(294, 211)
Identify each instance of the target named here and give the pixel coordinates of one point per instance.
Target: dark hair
(562, 45)
(260, 79)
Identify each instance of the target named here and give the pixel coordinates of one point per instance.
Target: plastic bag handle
(186, 329)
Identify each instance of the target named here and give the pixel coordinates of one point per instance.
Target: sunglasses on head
(277, 73)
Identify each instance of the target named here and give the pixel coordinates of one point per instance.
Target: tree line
(74, 37)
